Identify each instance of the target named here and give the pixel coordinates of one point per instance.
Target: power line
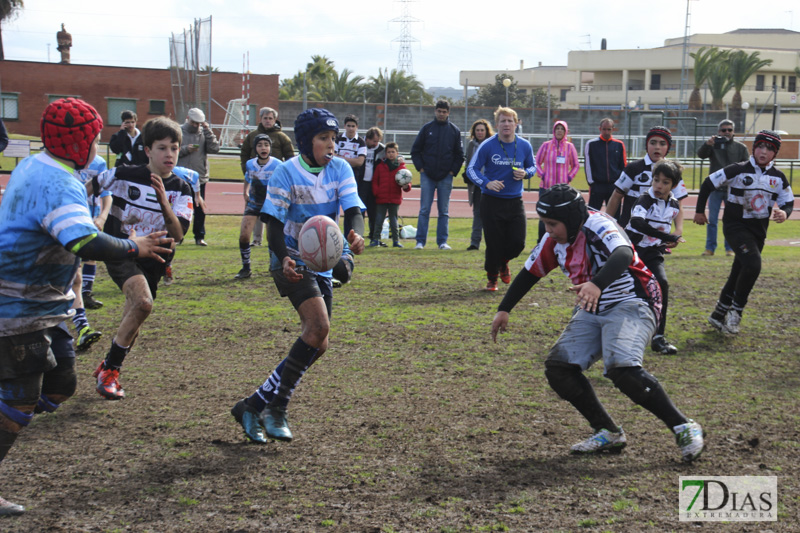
(404, 62)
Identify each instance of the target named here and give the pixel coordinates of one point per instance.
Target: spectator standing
(479, 132)
(375, 154)
(388, 193)
(556, 161)
(127, 142)
(353, 149)
(722, 151)
(198, 142)
(604, 160)
(438, 155)
(498, 168)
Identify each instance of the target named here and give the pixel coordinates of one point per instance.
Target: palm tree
(8, 10)
(741, 66)
(341, 88)
(319, 69)
(719, 83)
(403, 88)
(704, 59)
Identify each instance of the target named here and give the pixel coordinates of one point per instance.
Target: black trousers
(746, 265)
(600, 193)
(654, 260)
(199, 224)
(504, 229)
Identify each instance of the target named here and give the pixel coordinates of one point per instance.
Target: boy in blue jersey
(259, 170)
(46, 230)
(193, 179)
(147, 198)
(313, 183)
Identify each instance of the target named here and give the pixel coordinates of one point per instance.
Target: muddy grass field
(413, 420)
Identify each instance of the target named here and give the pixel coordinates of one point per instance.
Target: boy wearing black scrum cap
(618, 308)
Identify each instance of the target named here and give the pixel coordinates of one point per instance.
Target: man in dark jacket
(723, 151)
(604, 161)
(127, 143)
(282, 147)
(438, 155)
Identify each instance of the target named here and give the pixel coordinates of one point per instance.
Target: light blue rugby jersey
(257, 177)
(294, 195)
(189, 176)
(93, 169)
(44, 208)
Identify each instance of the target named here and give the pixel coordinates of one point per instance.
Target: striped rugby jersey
(751, 191)
(657, 213)
(599, 236)
(135, 204)
(634, 182)
(44, 208)
(192, 177)
(258, 177)
(294, 195)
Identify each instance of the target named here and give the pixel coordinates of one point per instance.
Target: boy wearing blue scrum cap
(753, 188)
(312, 183)
(617, 310)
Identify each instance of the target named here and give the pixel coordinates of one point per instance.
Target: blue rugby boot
(250, 421)
(277, 425)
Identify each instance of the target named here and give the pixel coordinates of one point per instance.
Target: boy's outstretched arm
(519, 288)
(103, 247)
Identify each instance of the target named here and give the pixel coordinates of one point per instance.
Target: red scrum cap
(69, 126)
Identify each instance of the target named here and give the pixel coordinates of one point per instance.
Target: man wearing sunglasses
(722, 151)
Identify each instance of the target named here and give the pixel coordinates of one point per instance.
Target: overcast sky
(282, 35)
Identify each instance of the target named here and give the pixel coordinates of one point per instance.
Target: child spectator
(651, 220)
(556, 161)
(753, 187)
(637, 176)
(388, 194)
(259, 170)
(147, 198)
(127, 142)
(618, 307)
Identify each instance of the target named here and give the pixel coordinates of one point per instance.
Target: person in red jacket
(388, 194)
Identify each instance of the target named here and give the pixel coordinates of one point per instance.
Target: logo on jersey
(773, 182)
(747, 180)
(134, 193)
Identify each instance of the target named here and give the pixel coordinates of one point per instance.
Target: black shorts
(122, 271)
(35, 352)
(252, 210)
(311, 286)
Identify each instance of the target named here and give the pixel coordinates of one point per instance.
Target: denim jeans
(442, 188)
(715, 199)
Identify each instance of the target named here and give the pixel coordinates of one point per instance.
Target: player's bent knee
(144, 305)
(565, 379)
(634, 382)
(59, 384)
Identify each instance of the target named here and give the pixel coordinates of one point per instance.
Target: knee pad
(565, 379)
(634, 382)
(61, 380)
(14, 414)
(343, 271)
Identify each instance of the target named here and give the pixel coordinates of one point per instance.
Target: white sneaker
(689, 437)
(444, 246)
(419, 246)
(602, 441)
(732, 321)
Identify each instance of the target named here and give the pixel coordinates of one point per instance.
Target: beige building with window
(608, 79)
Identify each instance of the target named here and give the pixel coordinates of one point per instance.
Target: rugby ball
(403, 177)
(320, 243)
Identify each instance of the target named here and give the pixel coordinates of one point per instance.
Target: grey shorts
(311, 286)
(618, 335)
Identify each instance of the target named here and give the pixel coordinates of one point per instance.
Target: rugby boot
(689, 437)
(244, 273)
(491, 285)
(86, 337)
(250, 420)
(602, 441)
(505, 274)
(108, 383)
(168, 279)
(276, 424)
(717, 318)
(10, 509)
(732, 321)
(89, 301)
(661, 345)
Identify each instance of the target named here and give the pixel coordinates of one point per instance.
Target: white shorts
(619, 335)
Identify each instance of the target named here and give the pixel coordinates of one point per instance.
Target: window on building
(774, 81)
(53, 97)
(252, 115)
(655, 82)
(783, 82)
(563, 97)
(759, 82)
(115, 108)
(9, 106)
(792, 84)
(158, 107)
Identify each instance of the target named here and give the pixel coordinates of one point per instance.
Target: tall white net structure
(233, 128)
(191, 69)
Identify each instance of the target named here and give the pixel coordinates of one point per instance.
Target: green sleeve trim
(81, 243)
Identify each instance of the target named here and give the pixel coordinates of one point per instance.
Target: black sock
(115, 356)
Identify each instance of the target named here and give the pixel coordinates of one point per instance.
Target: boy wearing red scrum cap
(47, 230)
(147, 198)
(753, 187)
(637, 177)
